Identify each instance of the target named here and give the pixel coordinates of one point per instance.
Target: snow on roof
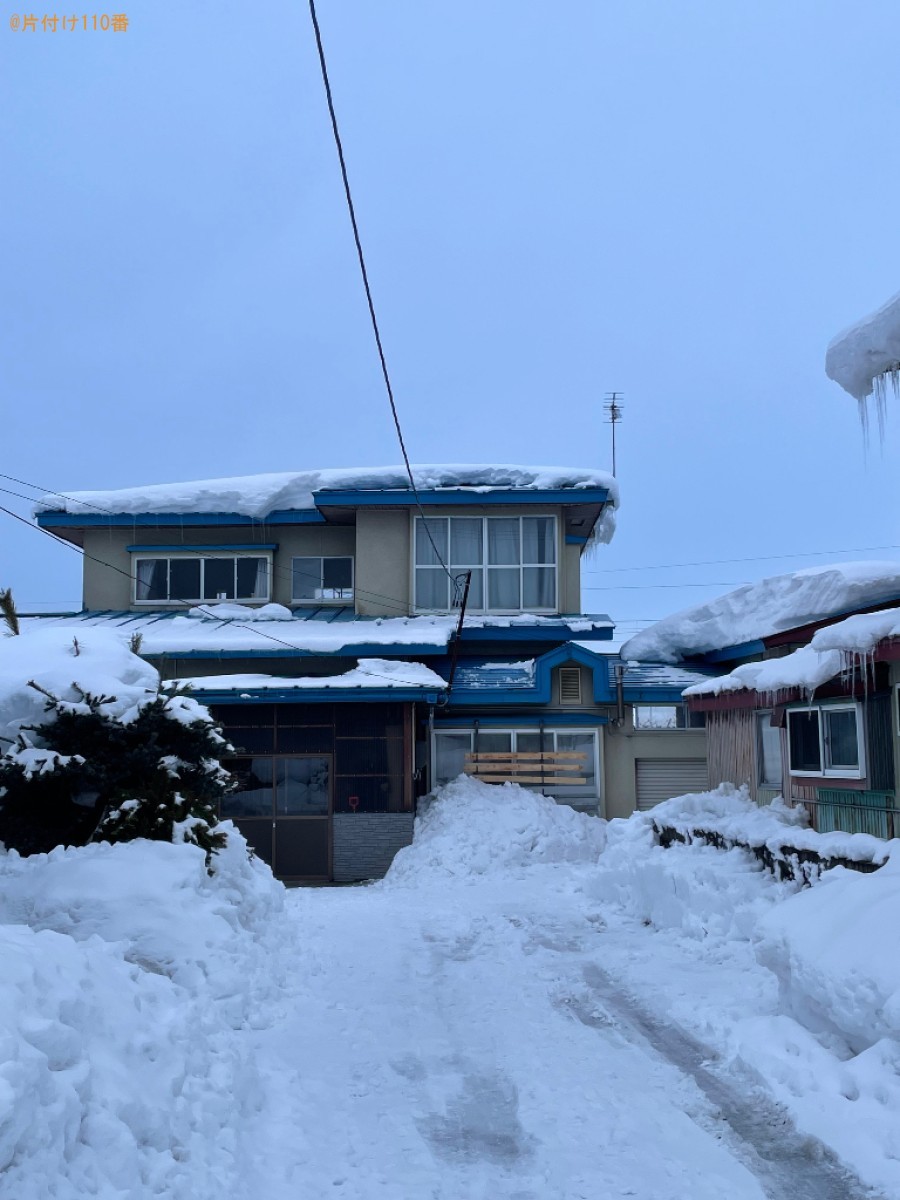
(805, 669)
(258, 495)
(863, 357)
(240, 628)
(831, 652)
(369, 673)
(759, 610)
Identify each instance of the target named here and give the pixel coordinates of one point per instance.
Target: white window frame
(170, 556)
(827, 772)
(759, 717)
(312, 601)
(513, 730)
(484, 566)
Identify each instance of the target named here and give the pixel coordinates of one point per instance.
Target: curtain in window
(431, 588)
(538, 587)
(151, 579)
(425, 552)
(466, 537)
(503, 588)
(503, 540)
(538, 540)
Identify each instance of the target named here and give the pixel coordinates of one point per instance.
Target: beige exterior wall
(111, 589)
(624, 746)
(381, 543)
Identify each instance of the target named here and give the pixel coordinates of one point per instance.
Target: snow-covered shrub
(113, 758)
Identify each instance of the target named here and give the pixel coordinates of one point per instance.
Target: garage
(659, 779)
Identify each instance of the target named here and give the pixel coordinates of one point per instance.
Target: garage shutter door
(661, 778)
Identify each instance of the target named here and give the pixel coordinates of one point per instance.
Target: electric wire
(368, 290)
(189, 603)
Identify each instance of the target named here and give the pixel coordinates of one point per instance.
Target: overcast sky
(682, 201)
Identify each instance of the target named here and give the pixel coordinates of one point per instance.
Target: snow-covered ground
(532, 1006)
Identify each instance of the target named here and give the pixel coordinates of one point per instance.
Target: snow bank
(836, 952)
(473, 829)
(759, 610)
(126, 970)
(863, 357)
(258, 495)
(727, 816)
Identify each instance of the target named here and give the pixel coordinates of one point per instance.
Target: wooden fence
(559, 768)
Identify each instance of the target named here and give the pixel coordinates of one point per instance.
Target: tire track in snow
(788, 1164)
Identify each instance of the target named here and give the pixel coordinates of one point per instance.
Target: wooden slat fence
(552, 768)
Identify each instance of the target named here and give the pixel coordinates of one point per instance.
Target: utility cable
(188, 603)
(368, 290)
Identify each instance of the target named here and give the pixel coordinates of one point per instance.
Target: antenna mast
(613, 408)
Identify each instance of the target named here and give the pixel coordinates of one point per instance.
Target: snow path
(464, 1040)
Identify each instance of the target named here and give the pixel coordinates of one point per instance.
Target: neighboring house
(807, 709)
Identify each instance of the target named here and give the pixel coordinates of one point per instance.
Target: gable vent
(570, 685)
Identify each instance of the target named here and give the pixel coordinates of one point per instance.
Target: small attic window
(570, 685)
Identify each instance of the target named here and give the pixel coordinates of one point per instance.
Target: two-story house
(318, 614)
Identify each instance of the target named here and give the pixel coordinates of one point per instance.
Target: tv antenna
(614, 409)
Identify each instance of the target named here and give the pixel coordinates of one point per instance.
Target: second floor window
(512, 560)
(325, 578)
(225, 577)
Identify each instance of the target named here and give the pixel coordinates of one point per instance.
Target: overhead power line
(188, 603)
(365, 278)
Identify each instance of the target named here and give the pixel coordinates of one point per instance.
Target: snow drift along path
(468, 1029)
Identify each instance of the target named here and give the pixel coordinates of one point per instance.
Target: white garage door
(661, 778)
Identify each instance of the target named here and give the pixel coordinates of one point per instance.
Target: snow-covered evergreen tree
(93, 773)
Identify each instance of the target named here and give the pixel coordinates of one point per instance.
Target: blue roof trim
(182, 548)
(738, 650)
(301, 516)
(310, 695)
(549, 719)
(446, 496)
(576, 540)
(535, 633)
(349, 650)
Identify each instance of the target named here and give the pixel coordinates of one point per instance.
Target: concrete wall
(365, 843)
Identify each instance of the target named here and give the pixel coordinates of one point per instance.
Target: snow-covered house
(807, 708)
(318, 614)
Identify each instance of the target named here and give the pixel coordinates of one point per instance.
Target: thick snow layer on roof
(805, 669)
(859, 634)
(863, 357)
(258, 495)
(370, 673)
(164, 633)
(831, 651)
(759, 610)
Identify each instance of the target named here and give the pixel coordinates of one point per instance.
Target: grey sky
(683, 201)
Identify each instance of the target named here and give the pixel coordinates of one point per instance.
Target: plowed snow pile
(126, 971)
(475, 829)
